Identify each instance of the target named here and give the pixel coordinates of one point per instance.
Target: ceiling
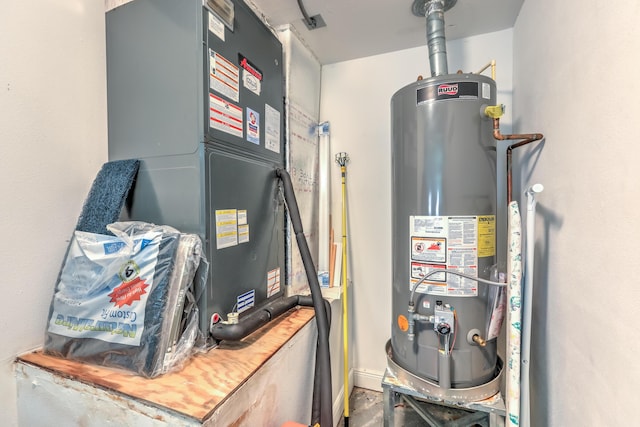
(359, 28)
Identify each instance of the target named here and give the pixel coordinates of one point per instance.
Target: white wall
(303, 72)
(53, 140)
(355, 99)
(575, 67)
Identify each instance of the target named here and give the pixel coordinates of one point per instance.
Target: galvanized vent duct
(434, 10)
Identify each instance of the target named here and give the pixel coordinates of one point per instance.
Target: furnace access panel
(198, 97)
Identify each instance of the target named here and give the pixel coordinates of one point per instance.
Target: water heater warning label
(486, 235)
(451, 243)
(432, 249)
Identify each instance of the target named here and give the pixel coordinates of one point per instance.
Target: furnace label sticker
(242, 216)
(251, 75)
(273, 282)
(447, 242)
(216, 26)
(245, 301)
(250, 82)
(253, 126)
(224, 76)
(225, 116)
(243, 233)
(243, 227)
(271, 128)
(226, 228)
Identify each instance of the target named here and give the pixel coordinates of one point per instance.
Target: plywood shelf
(205, 382)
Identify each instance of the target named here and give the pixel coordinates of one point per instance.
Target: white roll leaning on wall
(514, 316)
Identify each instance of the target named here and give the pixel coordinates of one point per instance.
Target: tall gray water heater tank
(443, 172)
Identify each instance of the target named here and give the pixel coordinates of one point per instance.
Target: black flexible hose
(317, 378)
(322, 407)
(250, 323)
(324, 358)
(236, 332)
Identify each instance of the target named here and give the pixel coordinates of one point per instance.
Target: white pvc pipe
(514, 316)
(324, 203)
(527, 305)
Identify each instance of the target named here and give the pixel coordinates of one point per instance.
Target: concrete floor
(366, 410)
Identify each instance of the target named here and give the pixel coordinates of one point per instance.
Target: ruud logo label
(448, 90)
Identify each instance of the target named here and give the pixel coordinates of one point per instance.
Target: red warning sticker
(128, 292)
(429, 249)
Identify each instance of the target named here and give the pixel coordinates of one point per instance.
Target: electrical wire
(455, 273)
(311, 23)
(455, 331)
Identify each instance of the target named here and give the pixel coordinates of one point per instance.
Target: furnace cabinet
(200, 103)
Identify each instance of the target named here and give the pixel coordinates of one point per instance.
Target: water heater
(444, 325)
(443, 163)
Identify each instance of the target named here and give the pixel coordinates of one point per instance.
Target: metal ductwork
(434, 10)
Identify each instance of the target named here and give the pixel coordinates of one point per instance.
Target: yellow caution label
(486, 236)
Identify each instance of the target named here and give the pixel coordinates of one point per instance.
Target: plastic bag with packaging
(128, 300)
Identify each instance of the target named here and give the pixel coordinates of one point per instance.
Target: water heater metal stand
(486, 400)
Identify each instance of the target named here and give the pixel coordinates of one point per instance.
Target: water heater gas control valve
(443, 315)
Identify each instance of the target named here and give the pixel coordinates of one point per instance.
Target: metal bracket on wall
(312, 22)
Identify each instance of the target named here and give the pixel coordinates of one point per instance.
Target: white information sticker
(444, 242)
(226, 228)
(224, 76)
(251, 82)
(225, 116)
(271, 128)
(486, 90)
(253, 126)
(273, 282)
(216, 26)
(243, 233)
(242, 216)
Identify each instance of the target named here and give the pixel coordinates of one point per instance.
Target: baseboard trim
(338, 402)
(371, 380)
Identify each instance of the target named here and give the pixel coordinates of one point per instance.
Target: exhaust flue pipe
(434, 11)
(436, 39)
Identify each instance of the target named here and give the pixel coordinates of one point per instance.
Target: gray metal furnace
(198, 97)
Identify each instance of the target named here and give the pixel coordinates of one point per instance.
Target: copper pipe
(526, 138)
